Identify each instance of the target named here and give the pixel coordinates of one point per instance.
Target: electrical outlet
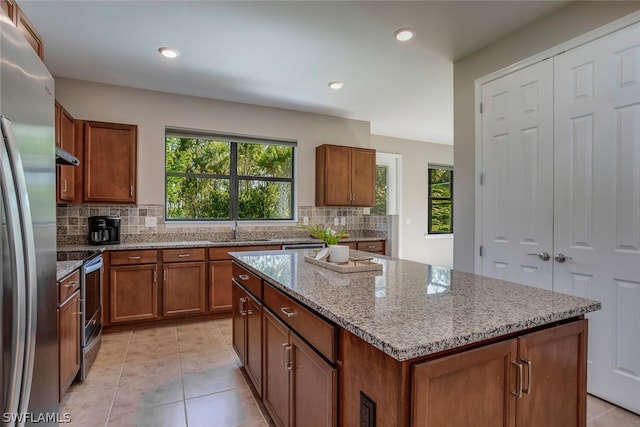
(366, 211)
(305, 220)
(150, 221)
(343, 220)
(335, 221)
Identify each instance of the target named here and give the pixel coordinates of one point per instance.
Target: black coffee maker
(104, 230)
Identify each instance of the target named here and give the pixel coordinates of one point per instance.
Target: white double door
(560, 156)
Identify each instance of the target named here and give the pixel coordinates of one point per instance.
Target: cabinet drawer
(222, 253)
(251, 282)
(182, 255)
(377, 247)
(320, 333)
(68, 285)
(133, 257)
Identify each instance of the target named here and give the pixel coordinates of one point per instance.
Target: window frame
(431, 168)
(233, 176)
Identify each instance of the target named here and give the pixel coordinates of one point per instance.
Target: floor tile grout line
(115, 391)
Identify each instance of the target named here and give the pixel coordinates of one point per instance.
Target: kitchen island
(412, 345)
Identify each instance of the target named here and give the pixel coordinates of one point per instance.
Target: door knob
(543, 256)
(562, 257)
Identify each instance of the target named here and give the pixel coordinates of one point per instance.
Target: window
(382, 184)
(388, 168)
(224, 177)
(440, 211)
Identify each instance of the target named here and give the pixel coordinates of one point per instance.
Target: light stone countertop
(64, 268)
(207, 244)
(412, 309)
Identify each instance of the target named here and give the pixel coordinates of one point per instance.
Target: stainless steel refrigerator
(28, 332)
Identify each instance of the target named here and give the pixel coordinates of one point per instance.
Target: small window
(440, 208)
(382, 186)
(218, 177)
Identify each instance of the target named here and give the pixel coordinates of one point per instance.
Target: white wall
(153, 111)
(571, 21)
(416, 157)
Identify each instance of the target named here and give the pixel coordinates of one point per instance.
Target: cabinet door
(29, 32)
(238, 311)
(68, 341)
(554, 386)
(314, 388)
(253, 354)
(183, 288)
(220, 274)
(277, 368)
(333, 186)
(66, 181)
(363, 177)
(134, 293)
(110, 161)
(469, 389)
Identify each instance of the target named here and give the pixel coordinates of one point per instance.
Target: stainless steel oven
(91, 309)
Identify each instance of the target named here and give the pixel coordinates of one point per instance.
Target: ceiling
(284, 53)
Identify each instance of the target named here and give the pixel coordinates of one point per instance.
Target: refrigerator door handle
(30, 270)
(16, 250)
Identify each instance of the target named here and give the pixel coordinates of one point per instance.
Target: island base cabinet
(300, 387)
(247, 333)
(538, 379)
(468, 389)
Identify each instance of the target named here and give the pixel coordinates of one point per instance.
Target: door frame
(587, 37)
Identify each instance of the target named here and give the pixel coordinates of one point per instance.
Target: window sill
(438, 236)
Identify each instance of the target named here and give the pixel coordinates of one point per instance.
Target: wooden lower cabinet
(299, 386)
(538, 379)
(183, 288)
(247, 333)
(134, 292)
(68, 341)
(220, 274)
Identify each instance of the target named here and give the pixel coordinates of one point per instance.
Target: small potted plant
(337, 252)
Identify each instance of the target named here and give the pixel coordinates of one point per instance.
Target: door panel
(597, 202)
(517, 142)
(276, 375)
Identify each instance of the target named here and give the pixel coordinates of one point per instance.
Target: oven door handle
(93, 265)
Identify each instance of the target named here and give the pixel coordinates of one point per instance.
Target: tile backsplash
(73, 227)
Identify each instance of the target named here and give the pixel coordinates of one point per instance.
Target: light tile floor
(168, 376)
(189, 375)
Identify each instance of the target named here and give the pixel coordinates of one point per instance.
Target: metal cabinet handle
(543, 256)
(528, 363)
(71, 284)
(164, 278)
(243, 276)
(371, 246)
(287, 313)
(184, 255)
(133, 258)
(286, 361)
(562, 257)
(518, 392)
(243, 311)
(155, 275)
(64, 188)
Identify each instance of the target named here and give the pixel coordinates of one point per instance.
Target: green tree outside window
(440, 210)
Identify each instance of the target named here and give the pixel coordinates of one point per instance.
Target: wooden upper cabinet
(110, 162)
(345, 176)
(9, 7)
(28, 31)
(66, 139)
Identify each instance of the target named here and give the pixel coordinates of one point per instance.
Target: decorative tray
(354, 265)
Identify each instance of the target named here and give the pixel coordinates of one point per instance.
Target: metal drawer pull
(155, 275)
(286, 361)
(243, 276)
(288, 313)
(518, 393)
(243, 311)
(184, 255)
(134, 257)
(371, 246)
(528, 388)
(71, 284)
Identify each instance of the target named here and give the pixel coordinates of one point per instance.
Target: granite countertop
(64, 268)
(208, 243)
(411, 309)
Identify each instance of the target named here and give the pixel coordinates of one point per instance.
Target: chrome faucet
(234, 229)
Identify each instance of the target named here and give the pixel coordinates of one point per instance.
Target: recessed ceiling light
(336, 85)
(403, 34)
(167, 52)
